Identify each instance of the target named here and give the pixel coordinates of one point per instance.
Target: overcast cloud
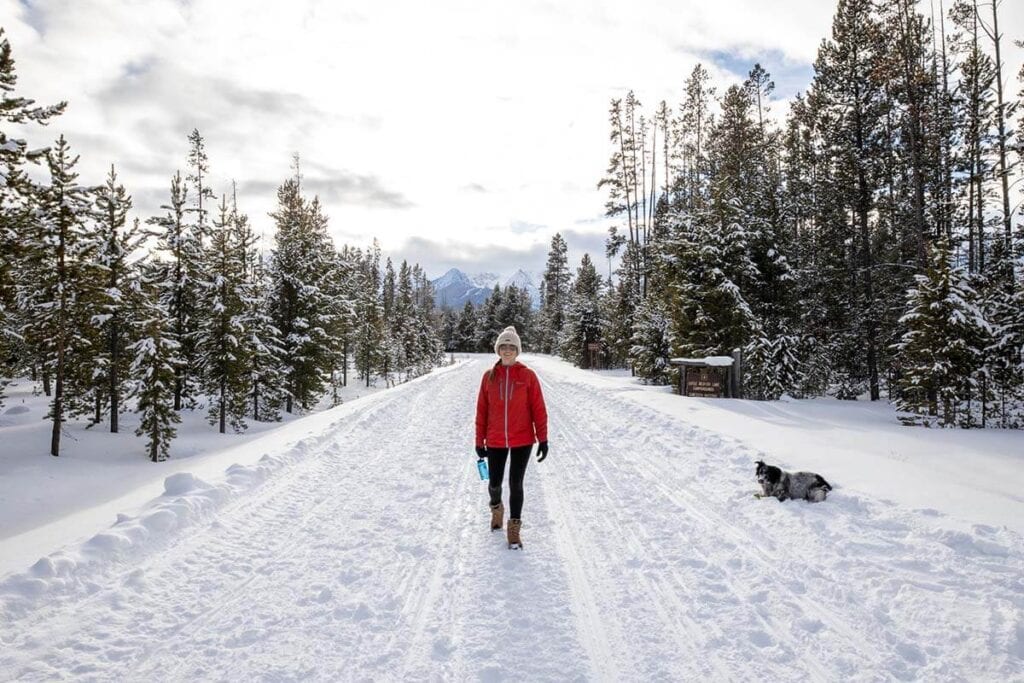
(459, 133)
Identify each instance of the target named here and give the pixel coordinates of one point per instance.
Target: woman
(510, 417)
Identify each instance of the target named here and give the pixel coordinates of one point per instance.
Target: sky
(458, 133)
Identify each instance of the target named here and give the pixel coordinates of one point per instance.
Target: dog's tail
(822, 483)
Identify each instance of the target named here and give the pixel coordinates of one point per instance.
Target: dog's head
(767, 473)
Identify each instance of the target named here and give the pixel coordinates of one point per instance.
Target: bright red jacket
(510, 409)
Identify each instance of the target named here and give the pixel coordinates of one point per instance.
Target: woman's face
(508, 353)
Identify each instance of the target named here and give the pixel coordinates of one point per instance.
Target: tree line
(871, 242)
(184, 311)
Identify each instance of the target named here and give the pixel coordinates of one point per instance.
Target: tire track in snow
(689, 642)
(638, 425)
(835, 571)
(61, 609)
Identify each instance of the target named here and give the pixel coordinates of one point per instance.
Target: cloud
(337, 187)
(481, 125)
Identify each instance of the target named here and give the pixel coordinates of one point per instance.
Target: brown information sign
(705, 382)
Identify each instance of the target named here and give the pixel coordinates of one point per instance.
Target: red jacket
(510, 409)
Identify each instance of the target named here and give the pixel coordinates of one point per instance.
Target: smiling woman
(510, 418)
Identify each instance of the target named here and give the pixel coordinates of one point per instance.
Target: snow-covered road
(364, 553)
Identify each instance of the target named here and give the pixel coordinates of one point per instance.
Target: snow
(713, 361)
(353, 544)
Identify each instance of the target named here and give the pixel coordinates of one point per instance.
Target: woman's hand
(542, 451)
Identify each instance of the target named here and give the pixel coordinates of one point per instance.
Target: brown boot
(513, 533)
(497, 516)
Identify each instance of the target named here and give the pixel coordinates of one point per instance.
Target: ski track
(646, 558)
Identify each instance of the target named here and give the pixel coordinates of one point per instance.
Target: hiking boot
(513, 533)
(497, 516)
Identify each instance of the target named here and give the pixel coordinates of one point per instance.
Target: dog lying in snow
(796, 485)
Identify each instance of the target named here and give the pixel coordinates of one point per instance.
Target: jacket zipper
(508, 397)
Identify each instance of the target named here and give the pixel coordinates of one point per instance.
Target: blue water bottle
(481, 466)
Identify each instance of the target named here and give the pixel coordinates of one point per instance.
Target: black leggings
(496, 465)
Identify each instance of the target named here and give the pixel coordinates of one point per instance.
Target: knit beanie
(509, 336)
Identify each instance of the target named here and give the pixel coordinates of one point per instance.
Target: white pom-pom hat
(508, 336)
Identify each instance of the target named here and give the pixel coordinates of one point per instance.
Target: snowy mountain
(455, 288)
(528, 281)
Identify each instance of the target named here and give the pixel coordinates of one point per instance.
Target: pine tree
(557, 281)
(465, 336)
(652, 344)
(155, 357)
(299, 271)
(18, 199)
(224, 357)
(1003, 307)
(706, 264)
(853, 111)
(339, 320)
(370, 330)
(977, 74)
(118, 302)
(264, 340)
(178, 292)
(939, 352)
(59, 250)
(199, 177)
(583, 323)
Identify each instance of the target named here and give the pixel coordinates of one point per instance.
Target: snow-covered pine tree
(489, 322)
(199, 177)
(340, 319)
(430, 348)
(651, 344)
(59, 248)
(973, 163)
(177, 241)
(770, 365)
(262, 338)
(370, 330)
(223, 355)
(851, 105)
(449, 329)
(1003, 307)
(516, 310)
(465, 339)
(557, 282)
(626, 298)
(391, 348)
(409, 326)
(17, 206)
(692, 128)
(300, 265)
(118, 259)
(583, 323)
(939, 352)
(156, 356)
(706, 262)
(264, 341)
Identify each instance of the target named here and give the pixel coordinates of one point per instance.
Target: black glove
(542, 451)
(481, 452)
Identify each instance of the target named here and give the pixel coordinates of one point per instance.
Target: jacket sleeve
(538, 411)
(481, 412)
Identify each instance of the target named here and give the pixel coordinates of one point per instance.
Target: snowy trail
(364, 554)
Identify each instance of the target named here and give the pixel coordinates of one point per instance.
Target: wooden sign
(705, 382)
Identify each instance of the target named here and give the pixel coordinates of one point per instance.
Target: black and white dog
(796, 485)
